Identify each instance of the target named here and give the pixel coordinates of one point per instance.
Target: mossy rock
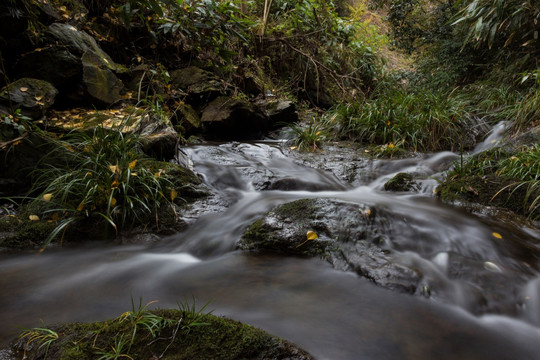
(18, 232)
(487, 190)
(401, 182)
(349, 236)
(186, 183)
(216, 338)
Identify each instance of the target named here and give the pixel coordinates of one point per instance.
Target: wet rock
(158, 138)
(101, 83)
(228, 118)
(401, 182)
(280, 112)
(293, 184)
(349, 237)
(201, 85)
(75, 64)
(187, 119)
(32, 96)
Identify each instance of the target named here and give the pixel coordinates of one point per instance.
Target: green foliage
(213, 30)
(319, 53)
(99, 174)
(15, 124)
(502, 24)
(141, 317)
(513, 177)
(413, 120)
(309, 137)
(526, 114)
(117, 350)
(42, 337)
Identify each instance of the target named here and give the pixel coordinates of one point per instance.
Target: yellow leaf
(174, 194)
(24, 89)
(310, 235)
(132, 164)
(497, 235)
(33, 217)
(113, 168)
(63, 8)
(318, 133)
(115, 184)
(293, 147)
(47, 197)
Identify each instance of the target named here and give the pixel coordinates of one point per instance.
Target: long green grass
(99, 175)
(413, 120)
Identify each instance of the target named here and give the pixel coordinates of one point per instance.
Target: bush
(99, 175)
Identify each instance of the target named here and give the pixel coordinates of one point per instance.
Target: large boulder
(201, 86)
(233, 118)
(32, 96)
(280, 112)
(349, 236)
(73, 61)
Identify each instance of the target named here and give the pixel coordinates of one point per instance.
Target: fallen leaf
(310, 235)
(132, 164)
(47, 197)
(174, 194)
(293, 147)
(80, 207)
(24, 89)
(113, 168)
(497, 235)
(33, 217)
(113, 202)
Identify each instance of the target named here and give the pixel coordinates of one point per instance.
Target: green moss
(214, 338)
(299, 209)
(19, 233)
(185, 182)
(489, 190)
(400, 182)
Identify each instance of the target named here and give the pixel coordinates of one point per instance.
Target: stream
(480, 293)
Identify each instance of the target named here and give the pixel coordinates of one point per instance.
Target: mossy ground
(218, 338)
(488, 190)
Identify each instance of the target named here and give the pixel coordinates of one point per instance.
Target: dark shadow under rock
(233, 118)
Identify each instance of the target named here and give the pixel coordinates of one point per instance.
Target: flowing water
(480, 297)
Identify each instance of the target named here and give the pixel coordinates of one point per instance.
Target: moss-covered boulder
(174, 335)
(75, 64)
(401, 182)
(32, 96)
(349, 236)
